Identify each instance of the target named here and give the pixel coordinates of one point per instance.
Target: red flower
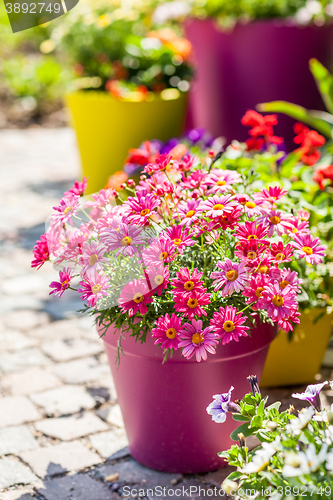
(310, 140)
(41, 252)
(323, 173)
(261, 129)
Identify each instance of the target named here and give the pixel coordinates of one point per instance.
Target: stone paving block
(115, 417)
(60, 458)
(16, 411)
(14, 472)
(25, 284)
(81, 370)
(15, 361)
(124, 452)
(65, 329)
(134, 473)
(17, 494)
(16, 439)
(70, 349)
(11, 340)
(10, 303)
(216, 478)
(25, 319)
(29, 381)
(68, 428)
(108, 443)
(64, 401)
(77, 487)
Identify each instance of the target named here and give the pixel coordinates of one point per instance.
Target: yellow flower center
(259, 292)
(197, 339)
(232, 275)
(189, 285)
(250, 204)
(171, 333)
(163, 256)
(96, 289)
(138, 297)
(278, 301)
(221, 183)
(65, 282)
(218, 206)
(251, 255)
(307, 250)
(192, 303)
(280, 256)
(190, 213)
(252, 237)
(159, 279)
(283, 284)
(228, 326)
(177, 241)
(126, 241)
(275, 220)
(263, 269)
(67, 209)
(144, 212)
(93, 259)
(295, 230)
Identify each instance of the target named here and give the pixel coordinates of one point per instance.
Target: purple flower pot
(256, 62)
(164, 405)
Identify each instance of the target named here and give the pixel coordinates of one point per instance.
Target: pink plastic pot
(256, 62)
(164, 405)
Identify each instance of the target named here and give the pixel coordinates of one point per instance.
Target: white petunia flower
(296, 425)
(309, 461)
(261, 458)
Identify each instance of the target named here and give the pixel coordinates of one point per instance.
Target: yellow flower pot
(298, 361)
(106, 128)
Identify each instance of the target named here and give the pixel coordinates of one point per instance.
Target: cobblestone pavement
(61, 431)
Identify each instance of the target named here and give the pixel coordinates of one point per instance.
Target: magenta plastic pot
(256, 62)
(164, 405)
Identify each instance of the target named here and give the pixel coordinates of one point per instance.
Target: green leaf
(261, 407)
(240, 418)
(275, 406)
(324, 82)
(234, 475)
(244, 429)
(311, 118)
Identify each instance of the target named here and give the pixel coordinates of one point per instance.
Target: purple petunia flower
(311, 395)
(221, 405)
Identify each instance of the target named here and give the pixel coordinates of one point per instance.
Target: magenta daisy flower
(78, 188)
(288, 324)
(141, 208)
(250, 251)
(102, 198)
(310, 248)
(67, 208)
(93, 256)
(253, 291)
(189, 212)
(233, 277)
(186, 282)
(125, 240)
(192, 303)
(198, 341)
(194, 180)
(290, 278)
(161, 250)
(41, 252)
(279, 303)
(158, 277)
(303, 215)
(272, 194)
(94, 288)
(265, 264)
(228, 324)
(228, 220)
(251, 206)
(281, 253)
(135, 296)
(250, 231)
(298, 227)
(180, 236)
(276, 221)
(216, 206)
(158, 165)
(220, 181)
(60, 286)
(167, 331)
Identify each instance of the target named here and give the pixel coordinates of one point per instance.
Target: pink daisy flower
(67, 208)
(194, 180)
(279, 303)
(310, 248)
(41, 252)
(288, 324)
(265, 264)
(250, 231)
(78, 188)
(281, 253)
(298, 227)
(186, 282)
(216, 206)
(187, 163)
(159, 164)
(290, 278)
(102, 199)
(220, 181)
(180, 236)
(94, 287)
(135, 296)
(251, 206)
(158, 277)
(60, 286)
(93, 256)
(198, 341)
(167, 331)
(192, 303)
(276, 221)
(228, 220)
(73, 251)
(125, 240)
(250, 251)
(228, 324)
(272, 194)
(161, 250)
(304, 215)
(140, 209)
(233, 277)
(189, 212)
(255, 289)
